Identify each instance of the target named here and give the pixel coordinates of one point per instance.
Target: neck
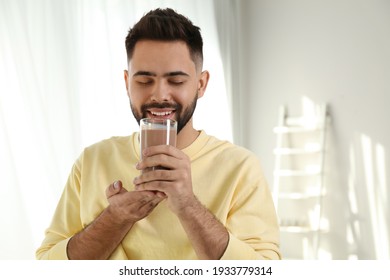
(186, 136)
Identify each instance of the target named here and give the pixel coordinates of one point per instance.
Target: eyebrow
(169, 74)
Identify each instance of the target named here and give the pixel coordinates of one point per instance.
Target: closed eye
(177, 78)
(176, 82)
(144, 81)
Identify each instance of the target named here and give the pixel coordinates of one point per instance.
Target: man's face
(163, 82)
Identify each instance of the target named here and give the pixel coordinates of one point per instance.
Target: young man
(210, 202)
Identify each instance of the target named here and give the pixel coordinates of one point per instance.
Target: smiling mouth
(161, 113)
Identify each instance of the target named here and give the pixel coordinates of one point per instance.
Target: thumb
(114, 189)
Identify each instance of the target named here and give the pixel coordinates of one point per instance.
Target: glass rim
(158, 121)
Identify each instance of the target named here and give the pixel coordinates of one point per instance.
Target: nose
(161, 92)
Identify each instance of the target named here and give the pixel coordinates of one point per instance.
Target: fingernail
(145, 152)
(116, 185)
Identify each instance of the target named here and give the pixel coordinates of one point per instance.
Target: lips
(166, 113)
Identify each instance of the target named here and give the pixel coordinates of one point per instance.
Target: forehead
(157, 56)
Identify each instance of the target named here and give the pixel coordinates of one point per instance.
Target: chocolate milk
(154, 132)
(154, 137)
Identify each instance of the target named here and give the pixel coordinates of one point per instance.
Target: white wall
(334, 51)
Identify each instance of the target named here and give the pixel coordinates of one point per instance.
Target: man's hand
(99, 239)
(174, 180)
(208, 236)
(130, 207)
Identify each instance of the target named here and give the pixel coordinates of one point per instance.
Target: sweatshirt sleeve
(252, 221)
(66, 220)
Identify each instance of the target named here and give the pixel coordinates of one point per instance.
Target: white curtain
(62, 89)
(227, 15)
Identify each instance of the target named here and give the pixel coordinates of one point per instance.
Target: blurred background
(325, 63)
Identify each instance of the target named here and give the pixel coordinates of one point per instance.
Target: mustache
(163, 105)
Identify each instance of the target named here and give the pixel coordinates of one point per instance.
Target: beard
(181, 116)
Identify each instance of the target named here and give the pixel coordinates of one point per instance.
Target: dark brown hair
(166, 25)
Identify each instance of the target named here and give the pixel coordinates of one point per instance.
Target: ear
(126, 76)
(202, 84)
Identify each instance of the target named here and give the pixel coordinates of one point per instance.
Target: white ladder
(298, 186)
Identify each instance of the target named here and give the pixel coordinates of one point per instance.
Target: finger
(165, 156)
(114, 189)
(163, 149)
(161, 161)
(143, 197)
(160, 186)
(155, 175)
(161, 195)
(148, 206)
(155, 193)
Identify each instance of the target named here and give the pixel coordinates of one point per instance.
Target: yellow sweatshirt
(227, 179)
